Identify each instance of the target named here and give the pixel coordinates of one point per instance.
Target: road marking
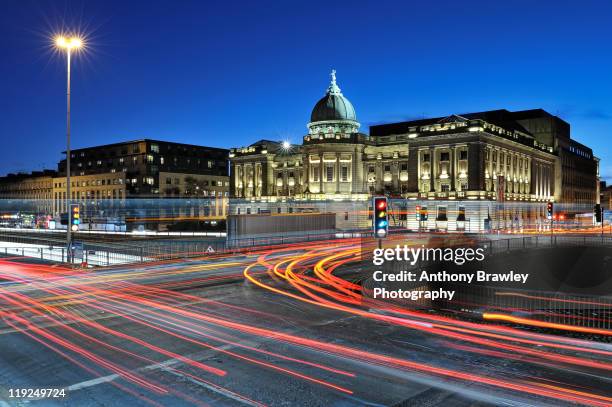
(162, 365)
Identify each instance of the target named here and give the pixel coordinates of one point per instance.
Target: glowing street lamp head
(68, 43)
(286, 145)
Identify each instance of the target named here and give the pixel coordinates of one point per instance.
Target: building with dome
(499, 155)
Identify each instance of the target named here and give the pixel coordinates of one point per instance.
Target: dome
(333, 106)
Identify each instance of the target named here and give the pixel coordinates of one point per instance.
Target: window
(149, 158)
(444, 156)
(445, 187)
(463, 154)
(441, 213)
(461, 214)
(168, 181)
(344, 174)
(161, 160)
(330, 173)
(404, 166)
(154, 148)
(387, 168)
(426, 158)
(210, 164)
(315, 173)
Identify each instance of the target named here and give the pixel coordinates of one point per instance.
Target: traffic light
(418, 212)
(424, 214)
(381, 217)
(75, 216)
(549, 210)
(597, 212)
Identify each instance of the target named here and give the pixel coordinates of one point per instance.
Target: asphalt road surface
(280, 327)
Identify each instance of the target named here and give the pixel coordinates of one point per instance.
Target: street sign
(76, 251)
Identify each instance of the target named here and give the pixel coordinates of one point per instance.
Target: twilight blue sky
(228, 73)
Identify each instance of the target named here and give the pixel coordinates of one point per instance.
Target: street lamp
(69, 45)
(286, 145)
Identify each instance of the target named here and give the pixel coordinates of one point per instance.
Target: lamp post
(68, 45)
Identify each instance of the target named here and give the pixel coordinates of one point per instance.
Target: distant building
(134, 169)
(606, 196)
(495, 155)
(37, 185)
(144, 169)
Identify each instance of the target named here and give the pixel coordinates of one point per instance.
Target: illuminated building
(37, 186)
(499, 155)
(135, 169)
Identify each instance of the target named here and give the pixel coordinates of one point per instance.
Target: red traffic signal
(549, 210)
(381, 218)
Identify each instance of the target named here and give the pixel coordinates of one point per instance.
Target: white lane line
(163, 366)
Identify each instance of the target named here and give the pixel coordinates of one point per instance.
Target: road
(283, 326)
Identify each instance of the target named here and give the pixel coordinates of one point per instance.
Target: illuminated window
(330, 173)
(315, 173)
(344, 174)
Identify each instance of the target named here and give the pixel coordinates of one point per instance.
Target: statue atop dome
(334, 112)
(333, 86)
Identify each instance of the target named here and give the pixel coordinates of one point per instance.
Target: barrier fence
(590, 310)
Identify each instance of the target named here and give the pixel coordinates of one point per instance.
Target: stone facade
(487, 155)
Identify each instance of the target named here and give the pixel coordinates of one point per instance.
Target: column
(321, 173)
(337, 173)
(453, 167)
(432, 171)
